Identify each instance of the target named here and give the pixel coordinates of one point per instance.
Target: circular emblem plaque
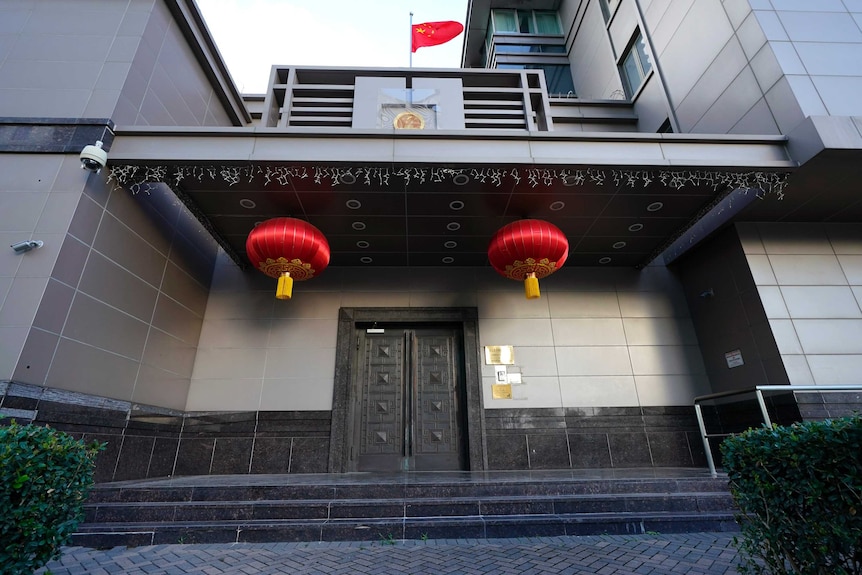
(408, 121)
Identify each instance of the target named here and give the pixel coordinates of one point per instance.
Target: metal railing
(761, 401)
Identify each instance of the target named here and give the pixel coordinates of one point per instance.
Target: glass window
(504, 21)
(635, 65)
(606, 10)
(525, 22)
(547, 23)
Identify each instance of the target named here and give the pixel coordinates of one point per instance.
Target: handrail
(758, 391)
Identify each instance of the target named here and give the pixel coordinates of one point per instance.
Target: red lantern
(528, 250)
(287, 249)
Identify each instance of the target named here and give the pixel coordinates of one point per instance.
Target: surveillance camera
(94, 158)
(22, 247)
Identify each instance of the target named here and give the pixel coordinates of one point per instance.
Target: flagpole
(411, 39)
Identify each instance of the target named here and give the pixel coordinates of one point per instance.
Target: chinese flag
(433, 33)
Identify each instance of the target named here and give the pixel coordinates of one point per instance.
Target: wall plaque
(734, 358)
(501, 391)
(499, 355)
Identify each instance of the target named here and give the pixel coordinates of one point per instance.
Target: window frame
(636, 50)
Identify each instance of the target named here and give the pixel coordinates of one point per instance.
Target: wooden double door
(408, 400)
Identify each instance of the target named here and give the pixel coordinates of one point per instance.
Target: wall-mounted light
(23, 247)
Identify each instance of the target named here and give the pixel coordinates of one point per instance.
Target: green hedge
(799, 492)
(45, 476)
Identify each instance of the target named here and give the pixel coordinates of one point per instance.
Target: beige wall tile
(805, 270)
(835, 369)
(177, 320)
(156, 386)
(761, 270)
(169, 354)
(235, 333)
(228, 363)
(224, 394)
(588, 331)
(608, 360)
(820, 302)
(794, 239)
(310, 305)
(374, 299)
(666, 360)
(824, 336)
(605, 391)
(84, 368)
(11, 343)
(511, 305)
(748, 233)
(656, 390)
(659, 331)
(22, 301)
(242, 304)
(443, 299)
(773, 302)
(297, 394)
(583, 304)
(852, 266)
(303, 333)
(651, 304)
(785, 336)
(94, 323)
(845, 238)
(313, 363)
(798, 372)
(520, 332)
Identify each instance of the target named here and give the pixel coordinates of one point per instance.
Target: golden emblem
(408, 121)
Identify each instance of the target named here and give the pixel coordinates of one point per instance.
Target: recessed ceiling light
(358, 226)
(605, 260)
(557, 206)
(247, 204)
(570, 180)
(636, 227)
(366, 260)
(453, 226)
(450, 245)
(347, 178)
(448, 260)
(619, 245)
(456, 205)
(362, 244)
(655, 206)
(353, 204)
(460, 179)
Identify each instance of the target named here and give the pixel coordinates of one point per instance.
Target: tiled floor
(651, 554)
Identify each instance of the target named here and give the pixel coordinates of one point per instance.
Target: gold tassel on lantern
(285, 286)
(531, 286)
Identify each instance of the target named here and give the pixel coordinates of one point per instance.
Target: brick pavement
(690, 554)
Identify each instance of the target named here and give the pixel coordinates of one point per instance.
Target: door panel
(408, 404)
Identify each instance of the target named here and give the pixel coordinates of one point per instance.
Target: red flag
(433, 33)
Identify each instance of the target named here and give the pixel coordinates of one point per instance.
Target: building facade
(700, 157)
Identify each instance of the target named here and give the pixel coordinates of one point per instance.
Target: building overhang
(434, 199)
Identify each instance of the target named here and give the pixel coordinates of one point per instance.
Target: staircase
(370, 507)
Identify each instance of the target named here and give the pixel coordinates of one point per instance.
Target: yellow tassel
(531, 286)
(285, 286)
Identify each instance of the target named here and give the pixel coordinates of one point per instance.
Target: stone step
(388, 530)
(162, 511)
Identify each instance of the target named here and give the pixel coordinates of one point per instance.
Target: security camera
(94, 158)
(22, 247)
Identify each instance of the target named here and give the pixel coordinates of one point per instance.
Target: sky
(253, 35)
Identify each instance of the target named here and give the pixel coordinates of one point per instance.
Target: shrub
(45, 475)
(799, 493)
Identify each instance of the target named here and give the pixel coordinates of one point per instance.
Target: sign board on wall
(734, 358)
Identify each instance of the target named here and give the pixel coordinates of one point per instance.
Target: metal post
(411, 39)
(759, 393)
(706, 447)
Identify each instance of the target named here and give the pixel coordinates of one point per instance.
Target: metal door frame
(345, 356)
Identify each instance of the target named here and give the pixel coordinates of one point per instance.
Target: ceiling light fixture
(347, 178)
(605, 260)
(448, 260)
(655, 206)
(362, 244)
(450, 245)
(557, 206)
(453, 226)
(247, 204)
(456, 205)
(636, 227)
(619, 245)
(358, 226)
(353, 204)
(366, 260)
(460, 179)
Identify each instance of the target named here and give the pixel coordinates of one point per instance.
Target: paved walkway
(690, 554)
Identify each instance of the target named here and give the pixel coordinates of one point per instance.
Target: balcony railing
(328, 98)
